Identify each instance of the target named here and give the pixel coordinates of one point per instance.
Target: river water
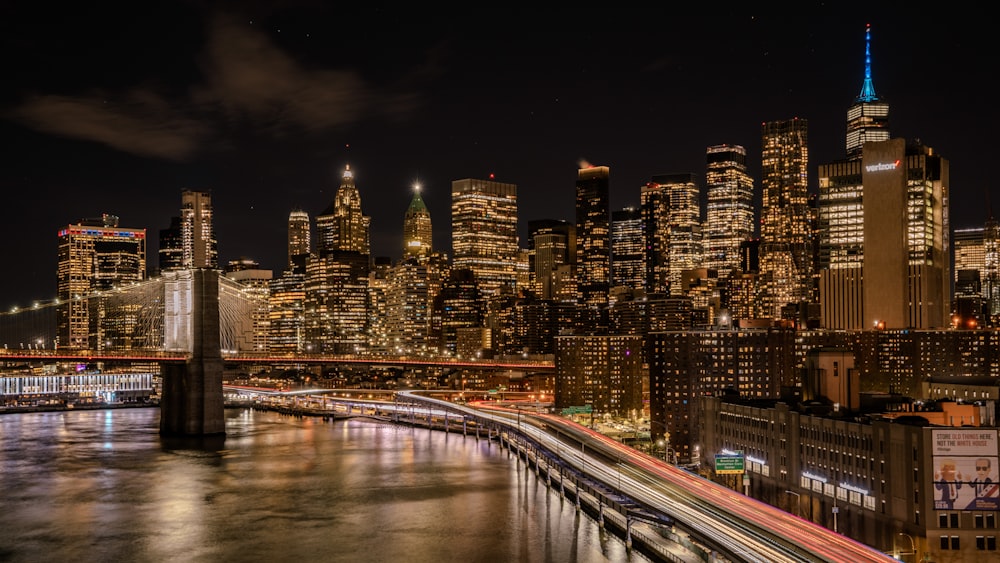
(102, 485)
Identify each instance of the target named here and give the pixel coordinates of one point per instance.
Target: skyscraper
(336, 283)
(628, 249)
(197, 233)
(684, 242)
(841, 212)
(907, 270)
(299, 238)
(418, 238)
(342, 226)
(484, 232)
(593, 217)
(786, 257)
(868, 116)
(94, 255)
(654, 203)
(729, 218)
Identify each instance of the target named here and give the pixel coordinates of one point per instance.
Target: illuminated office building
(552, 244)
(342, 226)
(786, 252)
(729, 217)
(484, 232)
(255, 296)
(841, 211)
(408, 307)
(907, 270)
(593, 216)
(684, 240)
(977, 270)
(95, 255)
(200, 249)
(868, 116)
(628, 249)
(459, 305)
(418, 240)
(654, 203)
(286, 310)
(299, 238)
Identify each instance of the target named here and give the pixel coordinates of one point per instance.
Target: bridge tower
(191, 403)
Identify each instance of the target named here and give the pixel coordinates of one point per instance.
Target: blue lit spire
(868, 89)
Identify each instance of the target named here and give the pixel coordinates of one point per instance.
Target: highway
(741, 528)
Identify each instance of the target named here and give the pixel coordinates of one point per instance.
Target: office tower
(729, 217)
(628, 249)
(991, 267)
(786, 256)
(94, 255)
(255, 296)
(418, 238)
(868, 116)
(336, 306)
(342, 227)
(552, 245)
(408, 307)
(484, 232)
(299, 238)
(907, 271)
(286, 310)
(459, 305)
(684, 242)
(171, 250)
(977, 270)
(841, 212)
(197, 232)
(654, 203)
(593, 216)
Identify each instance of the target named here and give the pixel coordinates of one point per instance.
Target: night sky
(116, 108)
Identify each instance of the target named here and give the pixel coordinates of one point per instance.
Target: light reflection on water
(104, 486)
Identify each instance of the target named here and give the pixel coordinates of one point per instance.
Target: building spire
(867, 88)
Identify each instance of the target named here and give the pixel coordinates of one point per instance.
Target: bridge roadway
(739, 528)
(267, 358)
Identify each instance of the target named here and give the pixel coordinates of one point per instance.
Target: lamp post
(798, 501)
(899, 554)
(836, 509)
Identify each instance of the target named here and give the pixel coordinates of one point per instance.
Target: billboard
(965, 469)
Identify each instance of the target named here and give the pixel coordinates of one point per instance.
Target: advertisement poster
(965, 469)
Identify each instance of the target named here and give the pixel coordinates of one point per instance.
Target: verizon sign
(882, 166)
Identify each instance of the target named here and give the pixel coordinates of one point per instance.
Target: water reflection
(104, 486)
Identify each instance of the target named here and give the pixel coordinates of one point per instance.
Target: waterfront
(102, 485)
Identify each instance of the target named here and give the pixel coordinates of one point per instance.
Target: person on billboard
(948, 481)
(987, 491)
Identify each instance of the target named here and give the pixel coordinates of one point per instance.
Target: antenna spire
(867, 88)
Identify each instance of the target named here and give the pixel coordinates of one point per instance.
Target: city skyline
(264, 108)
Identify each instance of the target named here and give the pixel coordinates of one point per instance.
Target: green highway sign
(726, 464)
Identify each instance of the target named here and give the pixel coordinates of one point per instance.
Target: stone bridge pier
(191, 402)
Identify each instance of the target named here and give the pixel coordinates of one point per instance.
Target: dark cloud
(248, 80)
(139, 122)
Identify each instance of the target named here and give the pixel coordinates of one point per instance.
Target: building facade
(484, 232)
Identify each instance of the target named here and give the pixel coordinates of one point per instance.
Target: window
(944, 543)
(954, 519)
(942, 520)
(954, 543)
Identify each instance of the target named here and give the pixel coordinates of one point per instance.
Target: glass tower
(729, 218)
(484, 232)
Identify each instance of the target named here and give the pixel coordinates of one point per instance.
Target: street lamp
(898, 554)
